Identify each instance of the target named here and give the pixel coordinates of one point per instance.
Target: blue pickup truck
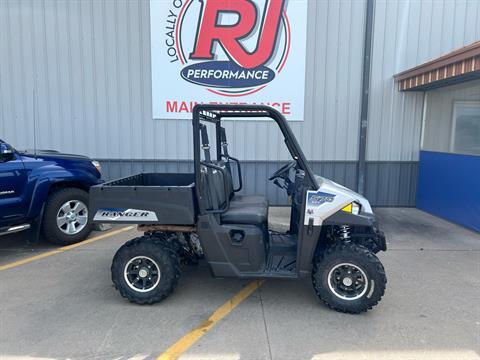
(46, 191)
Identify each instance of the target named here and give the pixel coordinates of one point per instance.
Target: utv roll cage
(214, 114)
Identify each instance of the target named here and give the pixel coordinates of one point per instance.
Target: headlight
(353, 208)
(97, 166)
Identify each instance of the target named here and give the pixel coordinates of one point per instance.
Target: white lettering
(227, 74)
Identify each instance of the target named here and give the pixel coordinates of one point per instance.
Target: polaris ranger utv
(333, 234)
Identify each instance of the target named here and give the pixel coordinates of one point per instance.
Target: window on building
(466, 128)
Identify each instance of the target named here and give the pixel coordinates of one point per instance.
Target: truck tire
(65, 219)
(145, 270)
(349, 278)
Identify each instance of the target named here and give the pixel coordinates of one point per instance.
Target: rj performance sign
(227, 51)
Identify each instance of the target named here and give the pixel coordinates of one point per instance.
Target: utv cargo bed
(146, 198)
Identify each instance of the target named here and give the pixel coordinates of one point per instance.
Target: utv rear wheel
(145, 270)
(65, 219)
(349, 278)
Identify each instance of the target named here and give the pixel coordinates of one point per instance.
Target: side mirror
(6, 152)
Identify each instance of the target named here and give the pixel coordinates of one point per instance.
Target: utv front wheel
(349, 278)
(145, 270)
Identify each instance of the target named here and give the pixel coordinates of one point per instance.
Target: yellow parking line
(64, 248)
(182, 345)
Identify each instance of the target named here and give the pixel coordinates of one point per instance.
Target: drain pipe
(367, 62)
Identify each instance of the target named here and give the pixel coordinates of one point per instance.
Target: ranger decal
(120, 214)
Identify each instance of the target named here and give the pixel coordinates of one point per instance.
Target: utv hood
(330, 186)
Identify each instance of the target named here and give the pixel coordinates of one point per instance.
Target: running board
(14, 229)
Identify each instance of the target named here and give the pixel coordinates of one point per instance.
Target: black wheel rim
(142, 274)
(347, 281)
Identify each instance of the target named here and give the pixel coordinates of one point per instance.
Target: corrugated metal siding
(408, 33)
(89, 63)
(391, 183)
(334, 65)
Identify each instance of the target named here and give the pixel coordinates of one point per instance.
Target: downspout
(367, 62)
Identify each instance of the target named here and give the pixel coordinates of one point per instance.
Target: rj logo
(229, 37)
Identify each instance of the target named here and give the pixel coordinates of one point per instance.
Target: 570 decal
(239, 46)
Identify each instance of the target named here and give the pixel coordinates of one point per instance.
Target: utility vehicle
(333, 234)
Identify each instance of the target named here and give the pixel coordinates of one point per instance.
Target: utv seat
(241, 200)
(242, 209)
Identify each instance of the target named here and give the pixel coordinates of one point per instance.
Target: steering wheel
(283, 170)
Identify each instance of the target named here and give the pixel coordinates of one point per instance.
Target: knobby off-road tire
(134, 274)
(57, 232)
(336, 273)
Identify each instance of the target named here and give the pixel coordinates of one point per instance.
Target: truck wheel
(145, 270)
(65, 220)
(349, 278)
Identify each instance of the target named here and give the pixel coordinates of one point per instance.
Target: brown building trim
(458, 66)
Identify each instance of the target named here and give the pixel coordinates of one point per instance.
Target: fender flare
(45, 181)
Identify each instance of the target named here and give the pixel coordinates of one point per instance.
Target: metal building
(76, 76)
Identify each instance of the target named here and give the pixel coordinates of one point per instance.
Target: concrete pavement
(65, 306)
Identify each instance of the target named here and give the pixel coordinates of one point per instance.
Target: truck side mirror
(6, 152)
